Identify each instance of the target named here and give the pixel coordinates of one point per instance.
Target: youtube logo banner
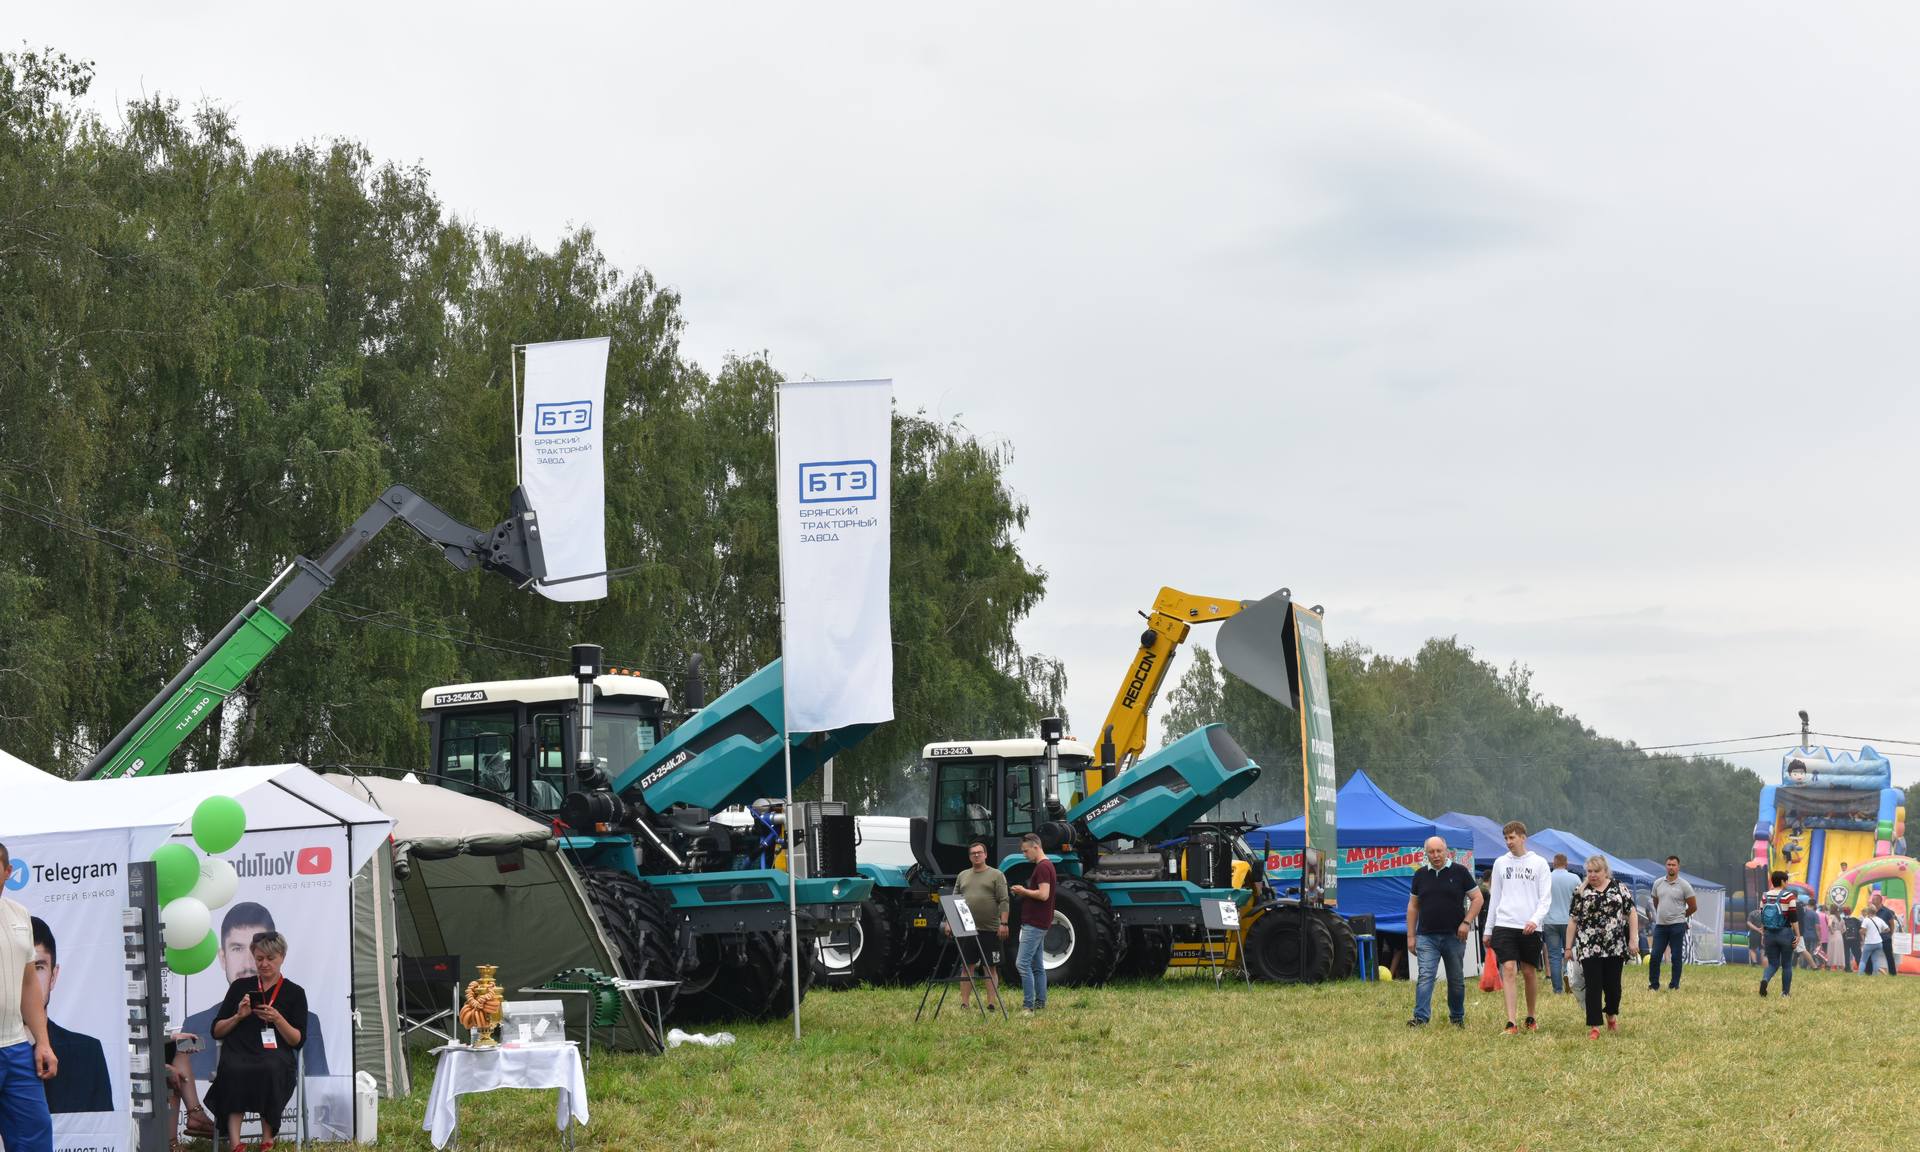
(294, 882)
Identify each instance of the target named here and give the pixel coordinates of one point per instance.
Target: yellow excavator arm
(1124, 735)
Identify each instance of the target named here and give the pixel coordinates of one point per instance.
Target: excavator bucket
(1256, 644)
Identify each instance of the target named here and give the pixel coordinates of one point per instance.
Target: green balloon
(187, 961)
(178, 870)
(218, 824)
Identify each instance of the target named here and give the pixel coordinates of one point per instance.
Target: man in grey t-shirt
(984, 888)
(1673, 906)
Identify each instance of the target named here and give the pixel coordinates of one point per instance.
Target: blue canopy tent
(1379, 849)
(1548, 841)
(1487, 841)
(1709, 923)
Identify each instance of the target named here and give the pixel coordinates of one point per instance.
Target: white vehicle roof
(884, 840)
(1005, 749)
(538, 691)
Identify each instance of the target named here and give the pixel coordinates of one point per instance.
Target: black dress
(252, 1077)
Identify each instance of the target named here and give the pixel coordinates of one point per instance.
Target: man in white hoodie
(1522, 890)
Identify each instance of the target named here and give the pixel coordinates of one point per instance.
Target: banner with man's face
(295, 883)
(75, 888)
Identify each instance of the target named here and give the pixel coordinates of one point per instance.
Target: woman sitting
(261, 1025)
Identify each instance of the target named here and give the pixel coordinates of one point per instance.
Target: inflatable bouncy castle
(1830, 813)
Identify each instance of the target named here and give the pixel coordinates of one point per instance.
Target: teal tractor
(690, 867)
(1120, 899)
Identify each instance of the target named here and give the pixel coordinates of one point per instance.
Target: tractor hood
(730, 751)
(1162, 794)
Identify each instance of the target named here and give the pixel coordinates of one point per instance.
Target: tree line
(1447, 731)
(213, 358)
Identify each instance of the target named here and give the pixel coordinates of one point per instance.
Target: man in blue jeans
(1445, 901)
(1673, 906)
(1554, 927)
(26, 1054)
(1036, 916)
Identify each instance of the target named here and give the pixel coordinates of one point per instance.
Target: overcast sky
(1582, 332)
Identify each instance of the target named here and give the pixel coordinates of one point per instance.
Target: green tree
(212, 359)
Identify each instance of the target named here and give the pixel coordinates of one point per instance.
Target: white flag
(561, 464)
(836, 461)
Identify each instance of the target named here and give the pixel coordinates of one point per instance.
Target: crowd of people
(262, 1024)
(1823, 936)
(1536, 914)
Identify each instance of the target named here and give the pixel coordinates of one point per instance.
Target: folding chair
(430, 993)
(299, 1104)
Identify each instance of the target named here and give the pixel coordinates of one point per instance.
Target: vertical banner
(1316, 753)
(562, 465)
(293, 882)
(74, 886)
(836, 463)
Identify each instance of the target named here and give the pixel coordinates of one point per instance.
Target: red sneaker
(1593, 1033)
(1613, 1025)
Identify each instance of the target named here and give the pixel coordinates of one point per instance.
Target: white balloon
(217, 883)
(185, 922)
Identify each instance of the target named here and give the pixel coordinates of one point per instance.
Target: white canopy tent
(290, 810)
(152, 808)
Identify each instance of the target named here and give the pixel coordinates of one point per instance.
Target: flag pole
(786, 743)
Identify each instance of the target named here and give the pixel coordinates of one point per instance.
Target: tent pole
(786, 749)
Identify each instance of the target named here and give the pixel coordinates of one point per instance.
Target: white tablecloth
(464, 1070)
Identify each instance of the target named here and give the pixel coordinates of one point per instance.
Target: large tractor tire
(1346, 950)
(1149, 951)
(739, 977)
(861, 953)
(1082, 946)
(640, 925)
(915, 950)
(1289, 945)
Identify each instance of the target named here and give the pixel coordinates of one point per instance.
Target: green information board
(1316, 753)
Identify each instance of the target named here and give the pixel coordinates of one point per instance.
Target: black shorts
(1511, 945)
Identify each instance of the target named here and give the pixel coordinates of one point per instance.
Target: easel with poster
(960, 930)
(1222, 916)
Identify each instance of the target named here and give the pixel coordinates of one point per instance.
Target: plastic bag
(1576, 975)
(675, 1038)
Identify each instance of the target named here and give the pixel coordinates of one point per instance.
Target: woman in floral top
(1601, 922)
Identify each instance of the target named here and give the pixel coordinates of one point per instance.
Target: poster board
(295, 882)
(75, 886)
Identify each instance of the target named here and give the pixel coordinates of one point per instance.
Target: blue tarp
(1548, 841)
(1487, 841)
(1657, 869)
(1366, 817)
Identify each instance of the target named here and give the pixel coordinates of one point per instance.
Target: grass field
(1181, 1064)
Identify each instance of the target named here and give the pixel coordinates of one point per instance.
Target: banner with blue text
(836, 464)
(562, 466)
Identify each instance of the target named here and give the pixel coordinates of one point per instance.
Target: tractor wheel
(739, 977)
(639, 924)
(1288, 945)
(1083, 944)
(915, 950)
(1149, 951)
(1346, 950)
(861, 953)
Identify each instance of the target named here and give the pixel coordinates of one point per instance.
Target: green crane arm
(144, 746)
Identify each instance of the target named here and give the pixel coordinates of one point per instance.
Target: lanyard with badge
(269, 1036)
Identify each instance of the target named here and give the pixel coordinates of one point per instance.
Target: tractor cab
(995, 790)
(514, 741)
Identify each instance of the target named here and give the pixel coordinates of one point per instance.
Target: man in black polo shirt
(1445, 900)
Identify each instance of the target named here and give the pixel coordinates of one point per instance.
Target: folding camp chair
(299, 1105)
(430, 993)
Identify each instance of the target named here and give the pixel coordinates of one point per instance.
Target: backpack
(1773, 917)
